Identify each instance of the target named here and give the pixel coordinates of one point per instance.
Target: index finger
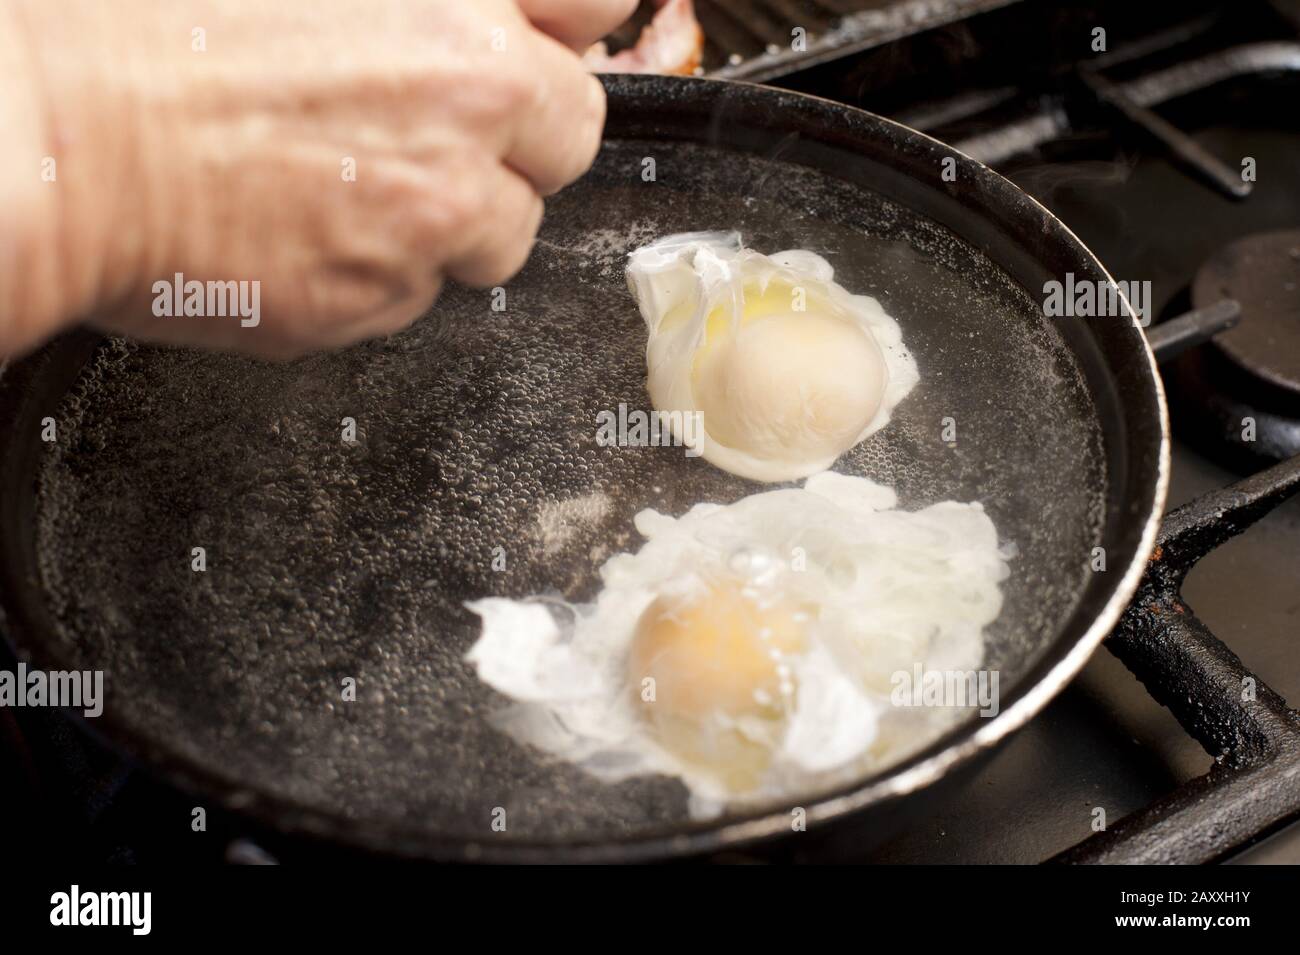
(577, 23)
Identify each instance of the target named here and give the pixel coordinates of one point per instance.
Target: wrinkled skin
(348, 155)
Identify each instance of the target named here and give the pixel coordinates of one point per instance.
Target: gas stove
(1165, 143)
(1152, 153)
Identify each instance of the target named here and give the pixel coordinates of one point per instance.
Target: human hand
(346, 155)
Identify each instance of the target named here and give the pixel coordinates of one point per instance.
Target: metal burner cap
(1262, 272)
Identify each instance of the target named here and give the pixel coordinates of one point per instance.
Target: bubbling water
(329, 561)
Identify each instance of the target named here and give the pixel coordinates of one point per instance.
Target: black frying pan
(476, 430)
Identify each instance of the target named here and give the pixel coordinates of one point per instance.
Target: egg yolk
(721, 681)
(787, 384)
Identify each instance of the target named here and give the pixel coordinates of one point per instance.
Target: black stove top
(1019, 86)
(1154, 207)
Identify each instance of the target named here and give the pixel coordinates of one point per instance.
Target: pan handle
(1192, 328)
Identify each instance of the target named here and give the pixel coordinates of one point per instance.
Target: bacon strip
(673, 42)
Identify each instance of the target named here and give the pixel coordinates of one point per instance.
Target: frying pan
(329, 561)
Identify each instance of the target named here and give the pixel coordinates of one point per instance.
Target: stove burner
(1239, 397)
(1262, 272)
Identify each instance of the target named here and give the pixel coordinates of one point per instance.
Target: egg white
(881, 590)
(780, 397)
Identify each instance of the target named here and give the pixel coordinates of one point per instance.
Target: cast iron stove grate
(756, 40)
(1254, 786)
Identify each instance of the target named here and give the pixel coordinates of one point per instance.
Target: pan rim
(289, 816)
